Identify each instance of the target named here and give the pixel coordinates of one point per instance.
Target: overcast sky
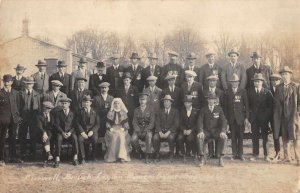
(57, 20)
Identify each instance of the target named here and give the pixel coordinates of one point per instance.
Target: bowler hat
(234, 51)
(285, 69)
(135, 55)
(167, 97)
(41, 63)
(61, 63)
(7, 78)
(20, 67)
(82, 61)
(100, 65)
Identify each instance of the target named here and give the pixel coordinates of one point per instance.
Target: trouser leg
(148, 142)
(59, 140)
(190, 139)
(3, 130)
(94, 140)
(255, 139)
(200, 146)
(233, 129)
(81, 146)
(156, 142)
(171, 141)
(240, 139)
(23, 129)
(180, 142)
(12, 139)
(221, 146)
(74, 144)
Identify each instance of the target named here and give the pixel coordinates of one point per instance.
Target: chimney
(25, 30)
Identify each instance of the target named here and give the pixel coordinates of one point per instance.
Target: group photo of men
(195, 109)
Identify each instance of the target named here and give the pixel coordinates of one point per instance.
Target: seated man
(143, 124)
(87, 124)
(64, 126)
(188, 126)
(45, 124)
(211, 125)
(166, 127)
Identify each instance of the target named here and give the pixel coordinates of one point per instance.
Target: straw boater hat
(48, 104)
(285, 69)
(233, 51)
(235, 78)
(167, 97)
(29, 80)
(258, 76)
(191, 56)
(41, 63)
(20, 67)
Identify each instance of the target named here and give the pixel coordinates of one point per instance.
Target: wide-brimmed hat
(173, 53)
(104, 84)
(65, 99)
(152, 55)
(256, 55)
(285, 69)
(20, 67)
(135, 55)
(81, 78)
(234, 51)
(56, 83)
(61, 63)
(235, 78)
(211, 95)
(191, 56)
(170, 76)
(188, 99)
(48, 104)
(151, 78)
(100, 65)
(7, 78)
(258, 76)
(275, 77)
(167, 97)
(190, 73)
(87, 98)
(212, 77)
(29, 80)
(82, 61)
(41, 63)
(127, 75)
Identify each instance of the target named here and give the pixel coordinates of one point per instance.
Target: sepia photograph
(150, 96)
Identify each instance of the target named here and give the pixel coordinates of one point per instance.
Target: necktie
(152, 70)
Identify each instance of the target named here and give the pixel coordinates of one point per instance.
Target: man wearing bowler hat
(18, 83)
(41, 78)
(258, 67)
(81, 72)
(97, 78)
(9, 118)
(260, 107)
(135, 71)
(62, 76)
(166, 127)
(152, 70)
(286, 114)
(191, 65)
(192, 88)
(233, 67)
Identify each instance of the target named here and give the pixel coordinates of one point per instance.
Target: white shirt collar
(104, 96)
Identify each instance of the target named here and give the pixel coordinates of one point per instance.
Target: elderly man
(41, 78)
(154, 94)
(258, 67)
(211, 125)
(97, 78)
(18, 83)
(286, 114)
(173, 68)
(191, 65)
(115, 74)
(62, 76)
(233, 67)
(135, 71)
(152, 70)
(81, 72)
(143, 124)
(192, 88)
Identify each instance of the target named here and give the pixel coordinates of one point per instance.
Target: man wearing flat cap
(115, 74)
(135, 71)
(63, 77)
(191, 65)
(209, 69)
(174, 91)
(9, 118)
(18, 83)
(286, 114)
(260, 107)
(233, 67)
(152, 70)
(155, 94)
(55, 94)
(82, 71)
(173, 68)
(143, 125)
(41, 78)
(258, 67)
(97, 78)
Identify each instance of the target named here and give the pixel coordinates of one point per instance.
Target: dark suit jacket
(18, 84)
(206, 71)
(169, 122)
(87, 122)
(95, 81)
(76, 103)
(146, 73)
(64, 123)
(176, 96)
(115, 78)
(136, 76)
(43, 124)
(290, 100)
(220, 94)
(130, 99)
(37, 106)
(41, 85)
(66, 80)
(9, 105)
(236, 106)
(260, 105)
(266, 72)
(196, 70)
(195, 91)
(102, 106)
(186, 122)
(143, 121)
(228, 71)
(174, 69)
(211, 122)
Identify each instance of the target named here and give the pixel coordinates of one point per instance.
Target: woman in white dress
(117, 138)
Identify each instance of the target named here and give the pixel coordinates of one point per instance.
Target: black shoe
(221, 163)
(201, 161)
(75, 162)
(56, 164)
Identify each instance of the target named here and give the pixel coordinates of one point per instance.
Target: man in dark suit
(152, 70)
(208, 69)
(55, 94)
(64, 125)
(211, 125)
(18, 83)
(187, 128)
(135, 71)
(98, 78)
(30, 104)
(82, 71)
(77, 94)
(212, 88)
(129, 95)
(154, 94)
(9, 118)
(174, 91)
(41, 78)
(191, 65)
(286, 114)
(63, 77)
(192, 88)
(166, 127)
(114, 74)
(258, 67)
(260, 106)
(88, 123)
(237, 113)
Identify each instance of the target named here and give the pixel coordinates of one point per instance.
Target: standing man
(258, 67)
(191, 65)
(152, 70)
(114, 74)
(98, 78)
(41, 78)
(143, 125)
(18, 83)
(154, 94)
(286, 114)
(55, 94)
(63, 77)
(81, 72)
(135, 71)
(233, 67)
(174, 91)
(9, 116)
(237, 113)
(209, 69)
(260, 106)
(192, 88)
